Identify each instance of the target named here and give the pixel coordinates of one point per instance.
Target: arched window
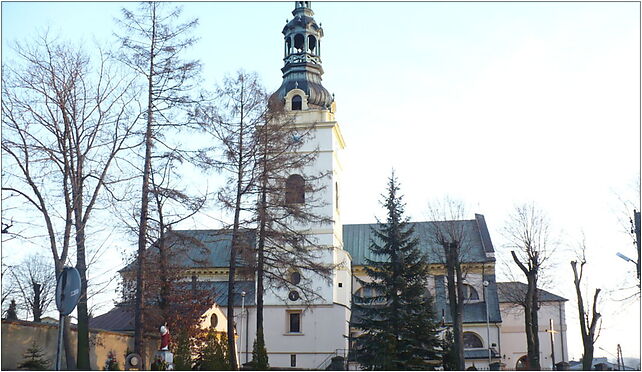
(213, 321)
(295, 189)
(366, 293)
(297, 102)
(472, 341)
(470, 293)
(312, 43)
(299, 41)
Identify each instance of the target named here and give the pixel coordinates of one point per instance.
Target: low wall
(18, 336)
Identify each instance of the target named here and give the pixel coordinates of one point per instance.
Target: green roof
(476, 245)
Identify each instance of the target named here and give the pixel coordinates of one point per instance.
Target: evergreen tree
(396, 315)
(213, 353)
(34, 359)
(259, 353)
(182, 352)
(12, 313)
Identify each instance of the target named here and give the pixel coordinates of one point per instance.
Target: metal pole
(636, 228)
(241, 325)
(247, 333)
(487, 321)
(61, 327)
(552, 343)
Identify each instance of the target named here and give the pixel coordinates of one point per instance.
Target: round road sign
(68, 290)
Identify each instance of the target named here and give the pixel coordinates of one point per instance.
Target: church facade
(304, 334)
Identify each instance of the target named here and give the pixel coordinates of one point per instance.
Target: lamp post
(241, 327)
(486, 283)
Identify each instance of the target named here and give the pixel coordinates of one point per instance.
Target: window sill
(294, 334)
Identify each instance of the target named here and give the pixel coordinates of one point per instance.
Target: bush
(158, 365)
(111, 364)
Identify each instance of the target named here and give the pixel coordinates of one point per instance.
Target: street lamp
(486, 283)
(636, 263)
(241, 327)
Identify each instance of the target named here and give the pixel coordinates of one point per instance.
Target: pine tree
(396, 315)
(259, 353)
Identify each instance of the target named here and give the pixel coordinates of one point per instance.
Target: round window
(213, 321)
(293, 296)
(295, 278)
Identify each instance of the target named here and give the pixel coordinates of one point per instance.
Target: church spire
(302, 58)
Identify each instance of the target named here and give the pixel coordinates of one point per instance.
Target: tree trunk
(37, 307)
(532, 324)
(259, 265)
(231, 342)
(83, 316)
(142, 229)
(588, 331)
(455, 297)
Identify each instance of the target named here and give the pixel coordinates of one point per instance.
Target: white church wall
(513, 336)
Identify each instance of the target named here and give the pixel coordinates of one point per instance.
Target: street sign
(68, 290)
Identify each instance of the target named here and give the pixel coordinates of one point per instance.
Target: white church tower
(300, 334)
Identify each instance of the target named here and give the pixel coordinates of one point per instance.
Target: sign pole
(67, 295)
(61, 327)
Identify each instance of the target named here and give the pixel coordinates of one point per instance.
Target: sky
(495, 104)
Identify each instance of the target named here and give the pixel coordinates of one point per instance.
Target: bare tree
(527, 232)
(590, 322)
(36, 283)
(232, 120)
(9, 288)
(152, 43)
(64, 122)
(451, 237)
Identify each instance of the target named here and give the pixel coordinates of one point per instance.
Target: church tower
(298, 334)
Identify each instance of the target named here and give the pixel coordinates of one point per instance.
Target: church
(308, 335)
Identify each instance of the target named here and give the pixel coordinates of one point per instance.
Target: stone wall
(18, 336)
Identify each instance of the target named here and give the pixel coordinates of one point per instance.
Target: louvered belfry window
(295, 190)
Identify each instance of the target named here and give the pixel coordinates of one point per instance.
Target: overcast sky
(492, 103)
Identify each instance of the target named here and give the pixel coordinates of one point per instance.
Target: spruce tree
(395, 313)
(259, 353)
(34, 359)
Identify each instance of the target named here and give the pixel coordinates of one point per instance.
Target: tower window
(299, 40)
(312, 43)
(295, 189)
(297, 103)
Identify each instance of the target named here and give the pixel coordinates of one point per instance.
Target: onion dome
(302, 51)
